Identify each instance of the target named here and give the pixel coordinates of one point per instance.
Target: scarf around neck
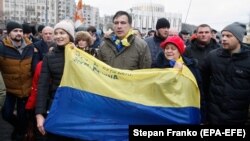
(172, 62)
(122, 43)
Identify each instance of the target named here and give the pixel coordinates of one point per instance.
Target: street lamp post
(14, 10)
(46, 12)
(131, 13)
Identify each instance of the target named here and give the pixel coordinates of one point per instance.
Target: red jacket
(31, 103)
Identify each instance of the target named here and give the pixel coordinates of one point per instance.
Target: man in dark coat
(202, 44)
(162, 32)
(45, 44)
(226, 75)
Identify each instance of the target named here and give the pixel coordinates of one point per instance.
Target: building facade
(46, 12)
(107, 23)
(66, 9)
(146, 15)
(91, 16)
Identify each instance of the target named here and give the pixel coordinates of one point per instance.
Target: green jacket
(135, 56)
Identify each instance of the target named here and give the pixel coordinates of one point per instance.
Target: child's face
(82, 44)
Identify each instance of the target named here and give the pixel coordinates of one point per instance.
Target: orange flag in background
(79, 19)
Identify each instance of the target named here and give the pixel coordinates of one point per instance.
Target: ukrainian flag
(98, 102)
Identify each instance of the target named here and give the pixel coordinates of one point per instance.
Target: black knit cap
(12, 25)
(162, 23)
(185, 32)
(40, 28)
(26, 28)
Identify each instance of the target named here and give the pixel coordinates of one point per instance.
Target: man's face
(172, 32)
(27, 35)
(121, 26)
(204, 35)
(16, 34)
(229, 41)
(93, 36)
(214, 34)
(185, 37)
(163, 32)
(48, 34)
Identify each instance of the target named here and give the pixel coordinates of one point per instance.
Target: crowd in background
(32, 63)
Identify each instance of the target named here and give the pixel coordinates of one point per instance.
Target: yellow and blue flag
(97, 102)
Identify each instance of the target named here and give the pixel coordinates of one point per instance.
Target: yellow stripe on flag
(152, 87)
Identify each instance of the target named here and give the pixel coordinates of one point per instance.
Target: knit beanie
(66, 25)
(237, 29)
(12, 25)
(26, 28)
(177, 41)
(185, 32)
(162, 23)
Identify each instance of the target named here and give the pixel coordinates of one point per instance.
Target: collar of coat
(7, 42)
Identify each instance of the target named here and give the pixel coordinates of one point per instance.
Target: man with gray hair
(44, 45)
(226, 75)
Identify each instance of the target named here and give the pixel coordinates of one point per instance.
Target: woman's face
(82, 44)
(171, 52)
(61, 37)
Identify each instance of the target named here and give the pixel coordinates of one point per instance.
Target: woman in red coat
(30, 105)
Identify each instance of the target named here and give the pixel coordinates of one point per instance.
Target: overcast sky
(216, 13)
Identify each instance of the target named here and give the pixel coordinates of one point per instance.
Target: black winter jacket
(50, 78)
(226, 80)
(194, 50)
(42, 50)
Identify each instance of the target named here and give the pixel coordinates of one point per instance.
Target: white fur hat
(68, 26)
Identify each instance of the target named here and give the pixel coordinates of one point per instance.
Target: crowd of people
(32, 66)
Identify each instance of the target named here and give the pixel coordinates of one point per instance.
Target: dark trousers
(18, 120)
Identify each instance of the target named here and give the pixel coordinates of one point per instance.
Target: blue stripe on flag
(84, 115)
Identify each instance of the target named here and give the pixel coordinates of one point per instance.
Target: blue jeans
(18, 121)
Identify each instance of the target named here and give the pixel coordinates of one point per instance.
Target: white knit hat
(68, 26)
